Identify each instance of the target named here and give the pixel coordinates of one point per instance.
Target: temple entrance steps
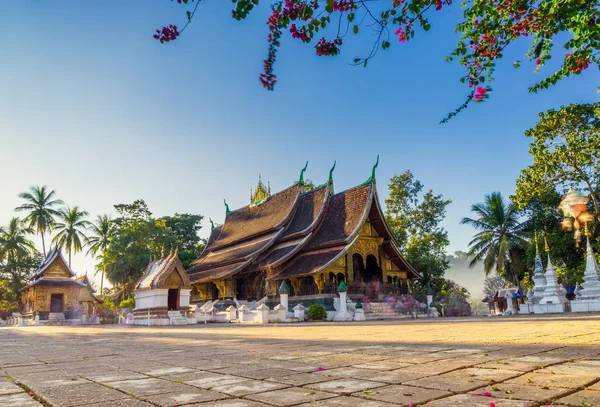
(176, 318)
(381, 310)
(56, 318)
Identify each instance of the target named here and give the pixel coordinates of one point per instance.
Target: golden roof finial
(546, 247)
(537, 248)
(162, 251)
(269, 188)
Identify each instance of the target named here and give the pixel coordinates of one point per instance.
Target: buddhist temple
(308, 236)
(53, 292)
(162, 293)
(87, 299)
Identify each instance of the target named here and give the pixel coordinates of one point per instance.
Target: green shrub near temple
(316, 312)
(128, 303)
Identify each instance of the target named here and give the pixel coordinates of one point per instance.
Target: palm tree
(70, 235)
(40, 205)
(500, 235)
(14, 244)
(102, 231)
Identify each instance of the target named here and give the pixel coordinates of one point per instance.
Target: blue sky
(93, 107)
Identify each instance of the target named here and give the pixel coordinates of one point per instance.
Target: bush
(128, 303)
(316, 312)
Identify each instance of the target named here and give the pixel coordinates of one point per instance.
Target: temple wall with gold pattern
(37, 298)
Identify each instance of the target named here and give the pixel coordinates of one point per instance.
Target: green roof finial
(372, 177)
(342, 288)
(227, 211)
(212, 224)
(429, 289)
(284, 288)
(374, 168)
(301, 180)
(331, 173)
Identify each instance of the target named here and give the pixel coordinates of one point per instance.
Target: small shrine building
(310, 237)
(53, 289)
(163, 288)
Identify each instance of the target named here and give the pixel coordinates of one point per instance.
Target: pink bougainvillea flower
(492, 405)
(320, 369)
(401, 34)
(439, 5)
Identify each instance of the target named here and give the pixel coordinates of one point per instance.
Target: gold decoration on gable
(174, 280)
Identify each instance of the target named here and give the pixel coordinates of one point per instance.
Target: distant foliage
(492, 284)
(128, 303)
(415, 218)
(316, 312)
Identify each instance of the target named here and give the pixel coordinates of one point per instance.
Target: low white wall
(152, 298)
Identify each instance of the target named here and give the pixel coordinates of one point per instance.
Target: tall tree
(70, 228)
(566, 153)
(415, 219)
(18, 258)
(14, 244)
(101, 233)
(501, 238)
(185, 227)
(40, 204)
(487, 29)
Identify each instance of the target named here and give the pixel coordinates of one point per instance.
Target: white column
(429, 300)
(284, 300)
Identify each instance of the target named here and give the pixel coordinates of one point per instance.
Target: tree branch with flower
(487, 29)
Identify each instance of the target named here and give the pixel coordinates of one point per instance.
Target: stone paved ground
(502, 362)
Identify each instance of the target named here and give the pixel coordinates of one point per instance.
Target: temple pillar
(202, 291)
(349, 269)
(296, 282)
(222, 287)
(319, 281)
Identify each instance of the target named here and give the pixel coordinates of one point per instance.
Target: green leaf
(356, 60)
(356, 29)
(189, 15)
(427, 27)
(365, 63)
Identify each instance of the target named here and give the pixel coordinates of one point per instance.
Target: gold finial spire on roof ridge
(537, 248)
(546, 247)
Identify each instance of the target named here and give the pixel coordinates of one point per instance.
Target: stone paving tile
(210, 380)
(383, 365)
(522, 392)
(129, 402)
(66, 396)
(230, 403)
(7, 387)
(146, 387)
(51, 382)
(553, 380)
(345, 386)
(348, 402)
(404, 395)
(574, 369)
(114, 376)
(581, 398)
(439, 367)
(18, 400)
(489, 375)
(469, 400)
(510, 364)
(248, 387)
(392, 377)
(290, 397)
(257, 374)
(167, 371)
(300, 379)
(190, 396)
(594, 387)
(448, 383)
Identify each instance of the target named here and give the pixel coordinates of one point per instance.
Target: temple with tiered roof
(310, 237)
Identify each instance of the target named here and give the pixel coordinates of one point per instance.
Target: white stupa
(554, 295)
(539, 280)
(589, 296)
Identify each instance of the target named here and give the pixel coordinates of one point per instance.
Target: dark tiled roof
(308, 263)
(254, 220)
(216, 273)
(231, 254)
(279, 252)
(214, 234)
(345, 213)
(310, 206)
(158, 270)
